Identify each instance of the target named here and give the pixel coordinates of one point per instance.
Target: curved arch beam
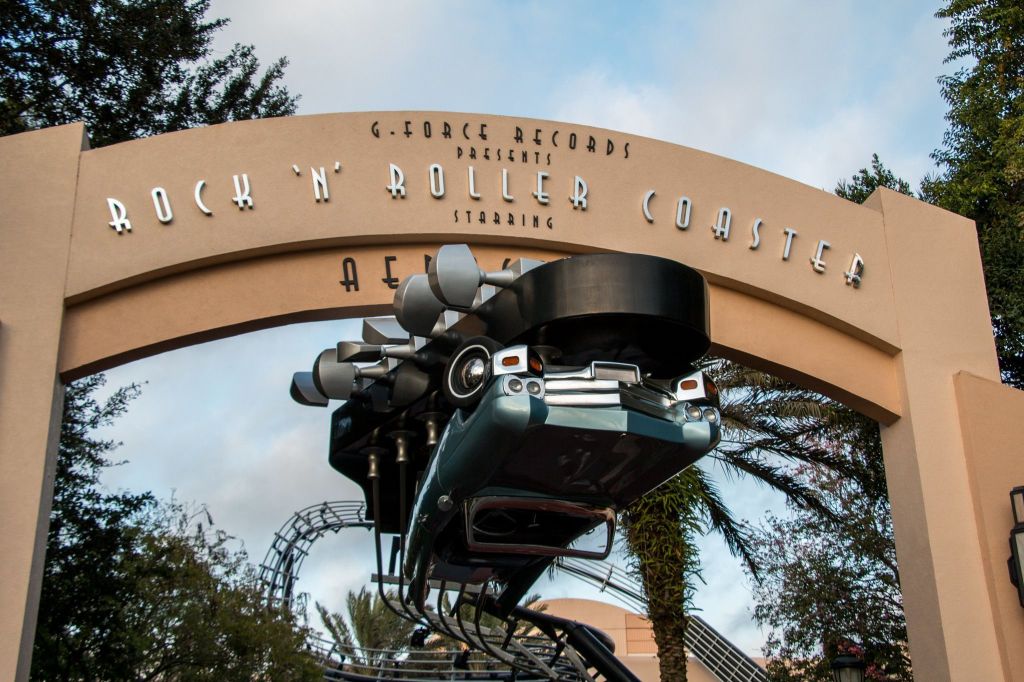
(238, 297)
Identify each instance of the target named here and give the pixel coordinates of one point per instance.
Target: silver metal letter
(790, 233)
(722, 225)
(579, 194)
(683, 212)
(473, 194)
(436, 174)
(856, 271)
(162, 205)
(320, 190)
(542, 196)
(242, 197)
(816, 262)
(756, 231)
(119, 215)
(646, 205)
(198, 194)
(296, 169)
(504, 186)
(397, 186)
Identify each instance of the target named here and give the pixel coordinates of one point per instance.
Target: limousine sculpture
(508, 416)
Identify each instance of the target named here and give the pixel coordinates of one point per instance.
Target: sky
(807, 90)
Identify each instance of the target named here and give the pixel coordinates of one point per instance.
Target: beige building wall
(260, 223)
(632, 634)
(991, 417)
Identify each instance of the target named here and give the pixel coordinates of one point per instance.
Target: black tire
(459, 387)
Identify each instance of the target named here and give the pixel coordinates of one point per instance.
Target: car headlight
(516, 385)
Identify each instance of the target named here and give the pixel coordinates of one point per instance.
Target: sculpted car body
(563, 452)
(511, 414)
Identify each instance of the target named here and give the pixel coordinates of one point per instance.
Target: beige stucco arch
(260, 223)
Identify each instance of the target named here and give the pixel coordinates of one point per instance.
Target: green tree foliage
(81, 625)
(982, 156)
(132, 590)
(200, 612)
(866, 181)
(128, 68)
(829, 583)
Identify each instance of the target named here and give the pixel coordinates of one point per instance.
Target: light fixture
(1017, 503)
(847, 668)
(1016, 560)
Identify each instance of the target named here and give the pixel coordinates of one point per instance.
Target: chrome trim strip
(582, 373)
(583, 385)
(582, 399)
(616, 371)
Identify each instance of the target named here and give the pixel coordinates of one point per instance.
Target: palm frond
(779, 478)
(336, 626)
(720, 519)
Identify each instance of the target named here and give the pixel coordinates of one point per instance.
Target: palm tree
(372, 632)
(768, 425)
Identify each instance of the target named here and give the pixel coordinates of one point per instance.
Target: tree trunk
(665, 559)
(670, 636)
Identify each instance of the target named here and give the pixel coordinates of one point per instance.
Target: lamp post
(847, 668)
(1016, 560)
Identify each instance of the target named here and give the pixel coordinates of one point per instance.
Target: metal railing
(724, 659)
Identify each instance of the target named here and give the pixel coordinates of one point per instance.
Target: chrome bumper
(612, 384)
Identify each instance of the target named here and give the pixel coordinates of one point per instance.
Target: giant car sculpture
(501, 419)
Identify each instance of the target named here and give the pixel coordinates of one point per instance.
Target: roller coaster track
(290, 547)
(279, 572)
(544, 657)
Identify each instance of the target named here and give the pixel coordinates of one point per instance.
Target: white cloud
(801, 90)
(216, 425)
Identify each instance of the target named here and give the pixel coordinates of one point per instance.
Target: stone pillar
(944, 328)
(38, 174)
(990, 417)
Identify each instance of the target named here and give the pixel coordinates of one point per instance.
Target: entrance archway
(121, 252)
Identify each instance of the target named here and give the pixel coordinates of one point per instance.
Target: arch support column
(944, 328)
(37, 194)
